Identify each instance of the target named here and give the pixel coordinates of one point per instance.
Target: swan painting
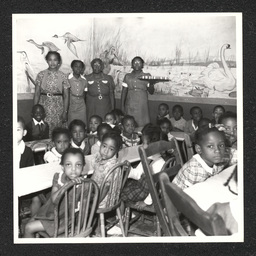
(45, 47)
(216, 78)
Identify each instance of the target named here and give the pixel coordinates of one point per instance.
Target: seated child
(166, 126)
(218, 111)
(77, 130)
(192, 125)
(129, 137)
(210, 148)
(102, 162)
(94, 122)
(72, 162)
(110, 118)
(136, 188)
(101, 130)
(61, 140)
(119, 116)
(163, 112)
(178, 122)
(204, 122)
(37, 128)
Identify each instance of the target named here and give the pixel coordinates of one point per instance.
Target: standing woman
(134, 97)
(100, 93)
(52, 92)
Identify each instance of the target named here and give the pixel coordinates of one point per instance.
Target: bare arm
(123, 98)
(37, 94)
(111, 93)
(151, 88)
(66, 104)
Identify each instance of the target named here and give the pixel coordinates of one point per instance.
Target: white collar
(21, 147)
(55, 152)
(203, 163)
(98, 143)
(36, 122)
(71, 76)
(82, 146)
(111, 125)
(193, 125)
(93, 133)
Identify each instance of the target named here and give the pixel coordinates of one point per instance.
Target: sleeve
(49, 157)
(39, 78)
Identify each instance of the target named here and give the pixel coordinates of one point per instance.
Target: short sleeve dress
(136, 103)
(98, 97)
(52, 82)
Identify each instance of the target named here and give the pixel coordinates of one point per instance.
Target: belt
(48, 94)
(78, 96)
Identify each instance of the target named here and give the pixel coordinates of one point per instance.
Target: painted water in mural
(198, 60)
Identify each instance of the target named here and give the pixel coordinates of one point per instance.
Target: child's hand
(78, 180)
(220, 127)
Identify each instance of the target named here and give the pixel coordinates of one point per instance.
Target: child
(192, 125)
(37, 129)
(77, 130)
(61, 140)
(94, 122)
(204, 122)
(119, 117)
(102, 162)
(72, 162)
(163, 112)
(101, 130)
(25, 154)
(166, 126)
(129, 137)
(178, 122)
(218, 111)
(110, 118)
(78, 85)
(210, 148)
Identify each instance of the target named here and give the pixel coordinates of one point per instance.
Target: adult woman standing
(134, 97)
(100, 92)
(52, 92)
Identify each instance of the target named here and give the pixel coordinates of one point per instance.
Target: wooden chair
(152, 180)
(175, 199)
(186, 144)
(81, 221)
(119, 174)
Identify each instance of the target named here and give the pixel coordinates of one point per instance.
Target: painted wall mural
(196, 54)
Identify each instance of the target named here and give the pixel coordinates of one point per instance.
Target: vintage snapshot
(127, 128)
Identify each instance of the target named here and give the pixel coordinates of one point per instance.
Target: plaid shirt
(195, 171)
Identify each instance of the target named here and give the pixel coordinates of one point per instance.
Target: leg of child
(35, 205)
(32, 227)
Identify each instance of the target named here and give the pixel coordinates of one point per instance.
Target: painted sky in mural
(196, 53)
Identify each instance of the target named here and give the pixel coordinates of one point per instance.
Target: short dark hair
(138, 57)
(37, 106)
(200, 134)
(22, 121)
(193, 108)
(165, 121)
(53, 53)
(226, 115)
(219, 106)
(112, 114)
(164, 104)
(74, 61)
(60, 130)
(76, 122)
(73, 151)
(103, 126)
(128, 117)
(117, 112)
(178, 107)
(114, 136)
(97, 117)
(153, 132)
(99, 60)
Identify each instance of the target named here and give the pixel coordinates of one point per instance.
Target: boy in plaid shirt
(209, 160)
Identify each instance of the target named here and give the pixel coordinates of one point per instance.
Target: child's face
(38, 114)
(218, 112)
(129, 126)
(230, 125)
(21, 132)
(196, 114)
(61, 143)
(177, 114)
(78, 134)
(108, 148)
(165, 127)
(53, 62)
(162, 111)
(94, 123)
(109, 119)
(212, 148)
(77, 68)
(73, 165)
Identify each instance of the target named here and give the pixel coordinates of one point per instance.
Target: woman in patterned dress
(52, 92)
(100, 93)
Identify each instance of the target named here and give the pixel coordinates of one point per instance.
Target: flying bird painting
(45, 47)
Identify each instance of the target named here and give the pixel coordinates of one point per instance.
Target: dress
(103, 87)
(129, 142)
(136, 103)
(77, 109)
(52, 82)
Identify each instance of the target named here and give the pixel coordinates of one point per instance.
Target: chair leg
(127, 220)
(120, 221)
(158, 227)
(102, 225)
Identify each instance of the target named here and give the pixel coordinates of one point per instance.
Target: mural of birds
(28, 71)
(111, 57)
(45, 46)
(70, 40)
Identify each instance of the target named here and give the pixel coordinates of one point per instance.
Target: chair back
(83, 196)
(186, 144)
(117, 175)
(152, 179)
(175, 199)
